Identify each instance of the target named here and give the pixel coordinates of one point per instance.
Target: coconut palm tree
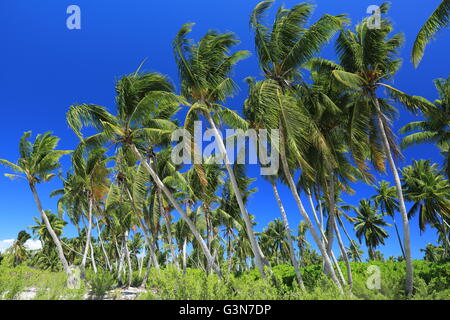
(18, 249)
(386, 200)
(368, 58)
(369, 225)
(438, 21)
(36, 164)
(354, 252)
(429, 191)
(204, 69)
(282, 49)
(436, 126)
(85, 188)
(145, 104)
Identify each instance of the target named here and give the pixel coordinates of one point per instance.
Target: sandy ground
(116, 294)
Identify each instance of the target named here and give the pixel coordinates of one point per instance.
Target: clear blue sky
(45, 68)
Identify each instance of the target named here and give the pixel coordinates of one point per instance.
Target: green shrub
(100, 283)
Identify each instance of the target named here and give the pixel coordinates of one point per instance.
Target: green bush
(100, 283)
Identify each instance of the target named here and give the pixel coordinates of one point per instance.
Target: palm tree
(18, 249)
(204, 70)
(145, 104)
(429, 191)
(354, 252)
(35, 165)
(386, 200)
(435, 128)
(369, 225)
(438, 21)
(282, 49)
(85, 188)
(368, 58)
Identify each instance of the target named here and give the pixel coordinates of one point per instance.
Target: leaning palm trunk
(184, 255)
(348, 237)
(406, 233)
(287, 173)
(398, 237)
(105, 254)
(345, 257)
(175, 204)
(127, 254)
(260, 260)
(169, 232)
(289, 236)
(50, 230)
(324, 243)
(94, 264)
(88, 241)
(331, 214)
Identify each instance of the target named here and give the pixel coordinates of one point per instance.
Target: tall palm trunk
(127, 254)
(289, 236)
(94, 264)
(260, 260)
(398, 236)
(324, 242)
(345, 257)
(175, 204)
(88, 240)
(287, 173)
(50, 230)
(105, 254)
(184, 255)
(120, 266)
(165, 214)
(331, 215)
(147, 271)
(406, 233)
(348, 237)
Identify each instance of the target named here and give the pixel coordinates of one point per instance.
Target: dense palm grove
(136, 212)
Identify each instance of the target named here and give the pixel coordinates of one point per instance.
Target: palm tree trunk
(345, 257)
(127, 254)
(331, 214)
(287, 173)
(324, 243)
(88, 240)
(175, 204)
(348, 236)
(184, 255)
(398, 237)
(120, 266)
(108, 264)
(147, 271)
(94, 264)
(406, 232)
(50, 230)
(260, 260)
(289, 236)
(165, 214)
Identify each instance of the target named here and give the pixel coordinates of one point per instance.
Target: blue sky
(45, 68)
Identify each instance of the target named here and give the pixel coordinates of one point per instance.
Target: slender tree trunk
(398, 237)
(406, 232)
(88, 240)
(289, 236)
(331, 214)
(260, 260)
(94, 265)
(108, 264)
(120, 266)
(175, 204)
(348, 237)
(127, 254)
(147, 271)
(287, 173)
(184, 255)
(165, 214)
(345, 257)
(324, 242)
(50, 230)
